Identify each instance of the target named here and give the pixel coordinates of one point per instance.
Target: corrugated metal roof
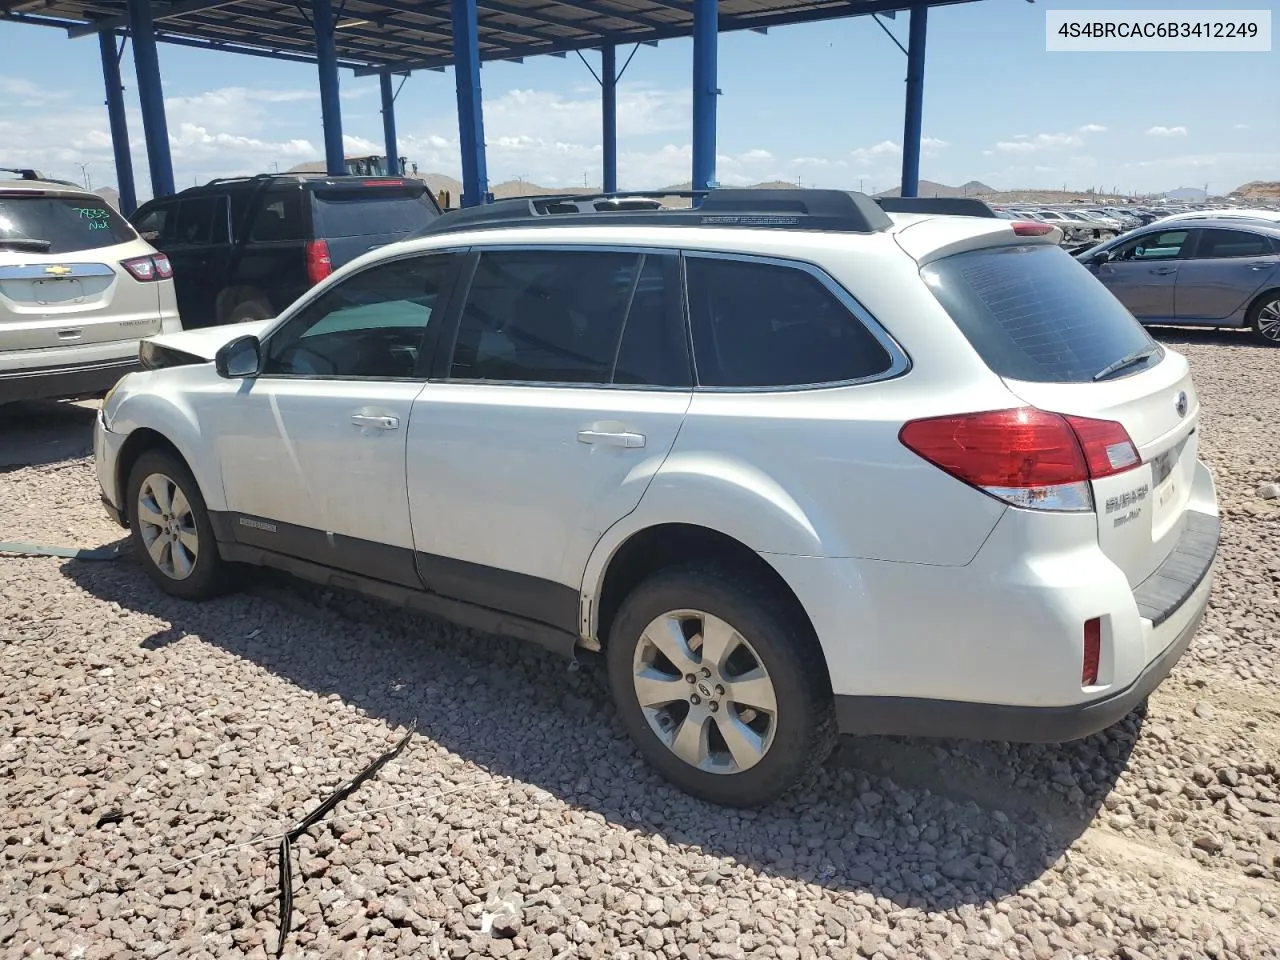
(403, 35)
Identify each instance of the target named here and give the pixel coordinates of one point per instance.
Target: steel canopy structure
(395, 37)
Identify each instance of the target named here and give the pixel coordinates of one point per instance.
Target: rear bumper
(63, 382)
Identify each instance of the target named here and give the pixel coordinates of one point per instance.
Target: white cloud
(1091, 128)
(1041, 141)
(1167, 132)
(1241, 126)
(20, 91)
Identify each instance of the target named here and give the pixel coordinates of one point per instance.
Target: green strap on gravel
(72, 553)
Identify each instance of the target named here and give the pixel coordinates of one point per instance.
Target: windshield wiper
(1125, 362)
(30, 244)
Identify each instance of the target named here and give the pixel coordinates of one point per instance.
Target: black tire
(1266, 330)
(246, 311)
(804, 723)
(210, 575)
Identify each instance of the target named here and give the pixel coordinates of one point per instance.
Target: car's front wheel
(723, 693)
(170, 529)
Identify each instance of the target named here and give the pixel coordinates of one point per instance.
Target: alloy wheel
(167, 526)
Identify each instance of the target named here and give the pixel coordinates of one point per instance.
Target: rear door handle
(611, 438)
(375, 422)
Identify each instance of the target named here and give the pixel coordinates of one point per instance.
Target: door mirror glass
(242, 357)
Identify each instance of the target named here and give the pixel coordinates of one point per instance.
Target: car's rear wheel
(723, 693)
(1264, 318)
(248, 311)
(170, 529)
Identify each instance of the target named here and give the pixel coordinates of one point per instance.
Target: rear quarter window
(70, 224)
(1033, 313)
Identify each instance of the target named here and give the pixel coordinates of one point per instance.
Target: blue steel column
(609, 115)
(915, 101)
(705, 91)
(117, 121)
(330, 107)
(389, 123)
(151, 97)
(466, 70)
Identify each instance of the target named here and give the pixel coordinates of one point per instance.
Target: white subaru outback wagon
(794, 464)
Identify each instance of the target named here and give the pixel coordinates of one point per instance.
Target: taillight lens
(1092, 652)
(1030, 228)
(319, 265)
(147, 269)
(1024, 456)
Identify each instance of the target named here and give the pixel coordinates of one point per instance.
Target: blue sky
(820, 102)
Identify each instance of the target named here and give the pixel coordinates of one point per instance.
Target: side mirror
(1099, 258)
(242, 357)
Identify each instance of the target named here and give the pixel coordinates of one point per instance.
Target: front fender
(170, 414)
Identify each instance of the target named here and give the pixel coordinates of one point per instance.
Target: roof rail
(794, 209)
(26, 173)
(943, 206)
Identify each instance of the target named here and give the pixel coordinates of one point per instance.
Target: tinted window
(156, 223)
(239, 210)
(1232, 243)
(1157, 245)
(369, 326)
(1034, 313)
(195, 220)
(653, 350)
(764, 325)
(279, 217)
(68, 223)
(558, 317)
(363, 211)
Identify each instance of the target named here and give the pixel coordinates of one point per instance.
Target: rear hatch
(1062, 343)
(62, 282)
(362, 214)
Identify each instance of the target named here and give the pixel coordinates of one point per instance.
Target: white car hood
(204, 342)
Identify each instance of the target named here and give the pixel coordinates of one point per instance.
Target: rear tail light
(147, 269)
(1026, 457)
(1030, 228)
(1092, 652)
(319, 265)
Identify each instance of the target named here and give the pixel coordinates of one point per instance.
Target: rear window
(1033, 313)
(68, 223)
(360, 211)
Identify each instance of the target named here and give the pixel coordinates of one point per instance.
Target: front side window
(552, 316)
(279, 217)
(1159, 245)
(157, 222)
(196, 216)
(369, 326)
(767, 325)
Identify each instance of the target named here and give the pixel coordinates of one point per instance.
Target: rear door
(1040, 321)
(76, 291)
(1223, 274)
(568, 382)
(1143, 272)
(356, 217)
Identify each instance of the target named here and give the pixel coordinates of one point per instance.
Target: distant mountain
(1258, 190)
(109, 194)
(1193, 194)
(928, 188)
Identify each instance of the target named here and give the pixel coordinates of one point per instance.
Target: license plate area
(1166, 484)
(57, 291)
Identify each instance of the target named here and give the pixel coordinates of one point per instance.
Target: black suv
(245, 248)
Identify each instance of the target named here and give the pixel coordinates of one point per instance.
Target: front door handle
(375, 422)
(1164, 271)
(612, 438)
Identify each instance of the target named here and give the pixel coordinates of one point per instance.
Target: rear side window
(765, 325)
(1033, 313)
(1216, 244)
(359, 211)
(549, 316)
(69, 224)
(279, 217)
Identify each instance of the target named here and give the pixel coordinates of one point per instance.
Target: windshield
(69, 224)
(1033, 313)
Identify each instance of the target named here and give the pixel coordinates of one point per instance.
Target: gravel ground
(146, 743)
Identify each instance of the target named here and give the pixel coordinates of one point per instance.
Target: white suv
(78, 289)
(793, 464)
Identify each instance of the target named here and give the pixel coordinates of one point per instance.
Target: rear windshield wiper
(1125, 362)
(30, 244)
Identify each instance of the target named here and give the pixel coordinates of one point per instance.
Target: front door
(1142, 273)
(313, 448)
(568, 383)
